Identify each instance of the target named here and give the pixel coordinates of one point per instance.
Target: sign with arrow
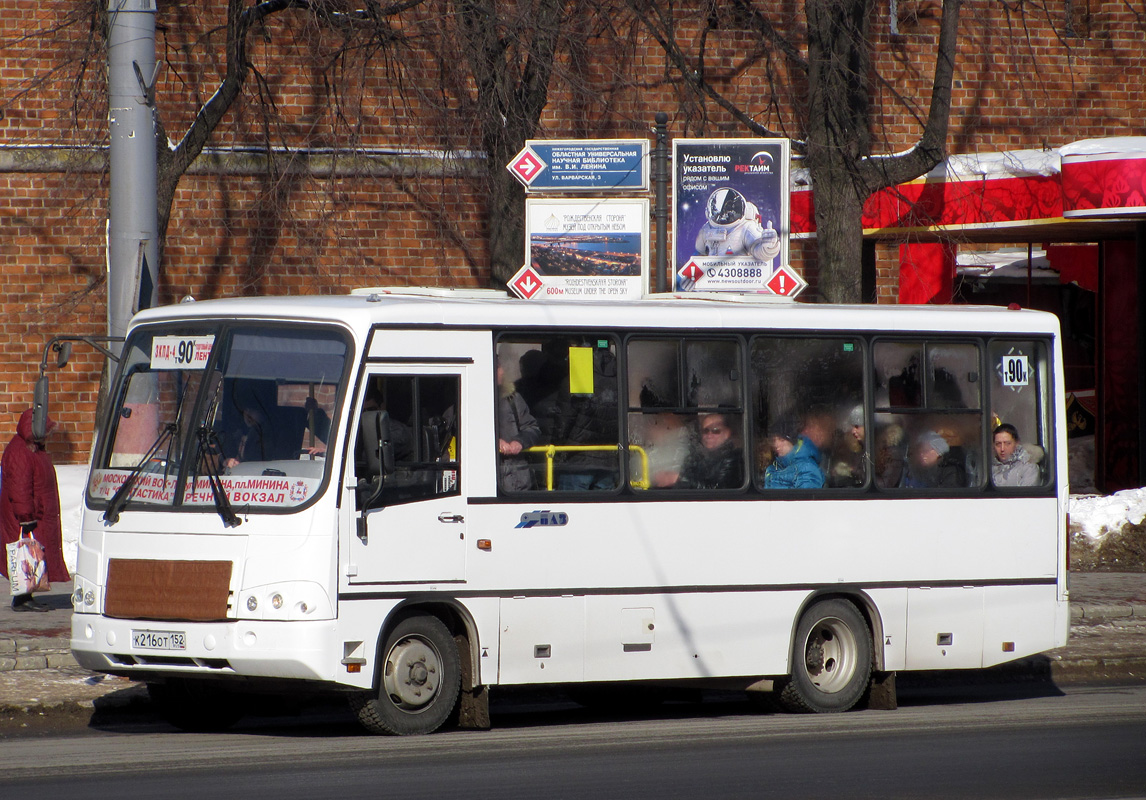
(526, 283)
(585, 249)
(581, 165)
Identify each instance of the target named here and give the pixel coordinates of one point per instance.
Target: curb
(1098, 613)
(35, 652)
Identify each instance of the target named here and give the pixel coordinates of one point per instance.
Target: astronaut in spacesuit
(733, 228)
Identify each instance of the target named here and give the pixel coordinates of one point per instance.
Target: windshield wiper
(123, 493)
(209, 442)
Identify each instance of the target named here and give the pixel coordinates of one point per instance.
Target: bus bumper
(296, 650)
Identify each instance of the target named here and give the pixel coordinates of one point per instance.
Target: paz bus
(411, 496)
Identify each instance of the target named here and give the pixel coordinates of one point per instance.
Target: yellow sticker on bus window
(580, 370)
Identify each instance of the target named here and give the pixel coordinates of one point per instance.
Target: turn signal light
(485, 544)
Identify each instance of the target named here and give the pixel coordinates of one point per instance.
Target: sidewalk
(38, 672)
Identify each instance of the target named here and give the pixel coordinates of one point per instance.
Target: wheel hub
(829, 655)
(410, 676)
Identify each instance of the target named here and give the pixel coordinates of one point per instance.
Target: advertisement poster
(584, 250)
(730, 215)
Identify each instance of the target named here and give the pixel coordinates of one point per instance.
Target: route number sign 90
(1016, 371)
(181, 352)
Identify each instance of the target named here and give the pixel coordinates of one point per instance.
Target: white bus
(411, 497)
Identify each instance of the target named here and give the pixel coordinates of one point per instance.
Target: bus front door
(410, 514)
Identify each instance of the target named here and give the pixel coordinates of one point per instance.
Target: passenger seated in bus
(795, 459)
(1013, 464)
(933, 464)
(849, 459)
(715, 461)
(819, 428)
(516, 431)
(666, 440)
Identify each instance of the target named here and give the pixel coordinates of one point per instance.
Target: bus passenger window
(419, 415)
(685, 415)
(568, 385)
(929, 415)
(808, 414)
(1020, 414)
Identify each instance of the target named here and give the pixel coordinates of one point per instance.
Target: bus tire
(196, 706)
(831, 659)
(419, 678)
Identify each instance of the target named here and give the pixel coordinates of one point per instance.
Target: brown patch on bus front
(157, 589)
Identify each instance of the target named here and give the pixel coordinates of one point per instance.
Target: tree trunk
(839, 240)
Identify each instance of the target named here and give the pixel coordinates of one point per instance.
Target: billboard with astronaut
(730, 213)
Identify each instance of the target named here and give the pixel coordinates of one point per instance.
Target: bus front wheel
(831, 662)
(418, 682)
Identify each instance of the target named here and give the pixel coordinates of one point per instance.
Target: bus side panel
(1020, 621)
(945, 627)
(542, 640)
(690, 635)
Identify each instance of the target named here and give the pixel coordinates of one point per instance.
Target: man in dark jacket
(30, 503)
(717, 463)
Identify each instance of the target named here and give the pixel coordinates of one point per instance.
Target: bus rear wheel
(419, 679)
(831, 663)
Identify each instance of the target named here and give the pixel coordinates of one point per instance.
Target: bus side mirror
(40, 409)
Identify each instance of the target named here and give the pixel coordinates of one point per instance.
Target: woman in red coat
(30, 500)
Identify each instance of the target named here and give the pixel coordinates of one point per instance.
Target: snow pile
(1096, 517)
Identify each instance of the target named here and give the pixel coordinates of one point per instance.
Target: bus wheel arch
(417, 676)
(832, 657)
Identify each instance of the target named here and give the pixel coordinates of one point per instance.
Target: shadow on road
(130, 712)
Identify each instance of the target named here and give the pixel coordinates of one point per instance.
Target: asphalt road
(943, 742)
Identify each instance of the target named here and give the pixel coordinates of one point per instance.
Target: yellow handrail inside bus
(551, 450)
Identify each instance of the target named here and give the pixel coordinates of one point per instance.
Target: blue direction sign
(545, 165)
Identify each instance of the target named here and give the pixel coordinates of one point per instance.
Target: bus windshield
(247, 408)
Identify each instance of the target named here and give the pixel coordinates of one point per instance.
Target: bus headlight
(84, 595)
(287, 600)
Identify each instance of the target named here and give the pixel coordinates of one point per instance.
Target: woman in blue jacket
(796, 460)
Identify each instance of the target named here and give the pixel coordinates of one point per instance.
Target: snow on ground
(1095, 516)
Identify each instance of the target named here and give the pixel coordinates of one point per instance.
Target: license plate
(159, 640)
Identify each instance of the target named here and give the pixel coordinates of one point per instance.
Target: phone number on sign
(735, 272)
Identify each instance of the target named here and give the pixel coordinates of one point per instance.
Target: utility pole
(133, 220)
(660, 210)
